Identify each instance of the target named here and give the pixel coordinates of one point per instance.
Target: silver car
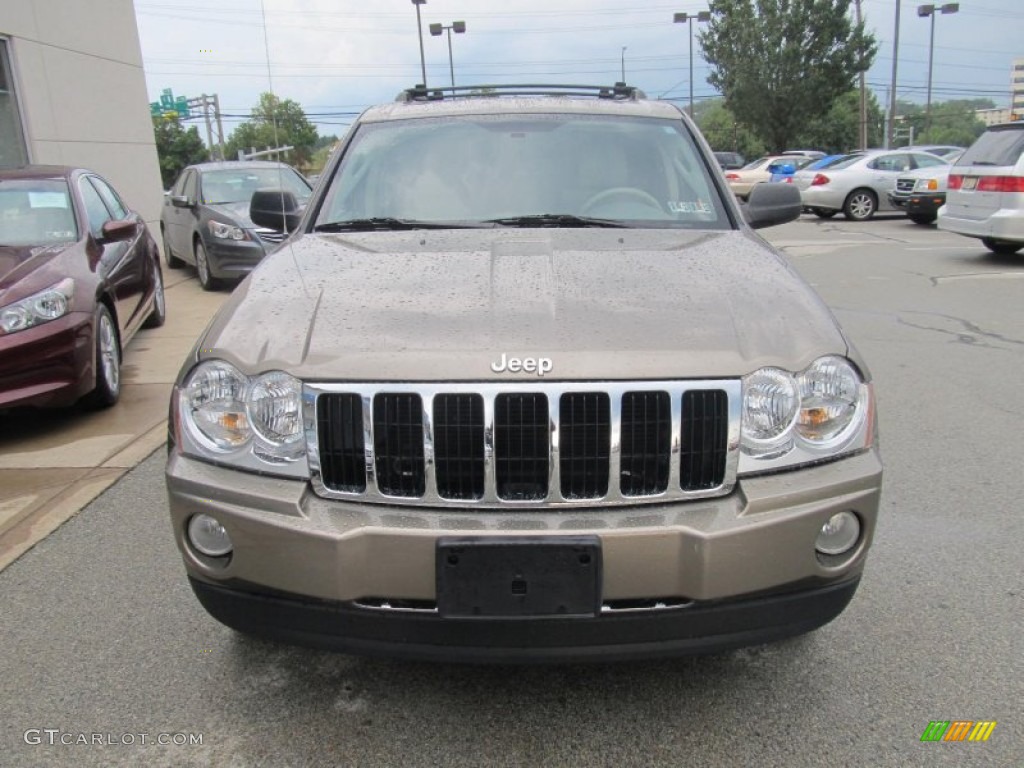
(986, 190)
(496, 401)
(859, 185)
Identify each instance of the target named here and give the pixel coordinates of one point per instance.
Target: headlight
(769, 408)
(226, 231)
(829, 396)
(926, 185)
(821, 412)
(38, 308)
(253, 423)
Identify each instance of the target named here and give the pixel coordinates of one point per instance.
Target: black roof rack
(618, 91)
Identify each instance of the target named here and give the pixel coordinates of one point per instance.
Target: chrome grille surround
(489, 391)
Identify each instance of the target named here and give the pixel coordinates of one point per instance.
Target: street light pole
(419, 28)
(687, 18)
(623, 64)
(889, 131)
(929, 10)
(459, 27)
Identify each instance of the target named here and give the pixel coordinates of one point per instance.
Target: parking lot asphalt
(53, 463)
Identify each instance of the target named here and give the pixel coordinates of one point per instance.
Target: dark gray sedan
(205, 219)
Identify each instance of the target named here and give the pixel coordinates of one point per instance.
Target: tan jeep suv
(523, 384)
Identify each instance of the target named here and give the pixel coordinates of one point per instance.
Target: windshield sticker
(689, 206)
(47, 200)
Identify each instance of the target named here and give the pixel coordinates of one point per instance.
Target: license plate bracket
(518, 577)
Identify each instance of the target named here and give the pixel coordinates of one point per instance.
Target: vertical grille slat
(583, 448)
(521, 446)
(459, 446)
(646, 443)
(342, 450)
(398, 444)
(705, 431)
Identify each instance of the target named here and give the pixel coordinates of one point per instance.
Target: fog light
(208, 536)
(839, 534)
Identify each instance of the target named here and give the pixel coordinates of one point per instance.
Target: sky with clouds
(336, 57)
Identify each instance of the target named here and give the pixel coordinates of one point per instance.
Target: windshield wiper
(557, 220)
(387, 223)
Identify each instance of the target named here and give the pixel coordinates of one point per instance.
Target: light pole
(419, 28)
(889, 131)
(687, 18)
(458, 27)
(623, 64)
(929, 10)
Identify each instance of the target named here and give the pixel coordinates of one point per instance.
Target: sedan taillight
(1001, 184)
(732, 177)
(819, 180)
(955, 181)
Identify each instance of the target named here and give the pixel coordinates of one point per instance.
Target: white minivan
(985, 198)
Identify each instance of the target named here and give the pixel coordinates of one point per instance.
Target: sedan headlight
(790, 419)
(38, 308)
(226, 231)
(251, 422)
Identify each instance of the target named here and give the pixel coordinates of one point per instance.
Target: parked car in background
(859, 184)
(782, 170)
(205, 219)
(945, 151)
(985, 198)
(814, 154)
(755, 172)
(79, 275)
(922, 192)
(524, 406)
(729, 161)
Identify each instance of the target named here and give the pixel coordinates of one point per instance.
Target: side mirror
(180, 201)
(771, 204)
(118, 231)
(275, 209)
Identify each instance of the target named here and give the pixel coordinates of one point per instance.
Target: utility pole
(204, 103)
(862, 133)
(892, 85)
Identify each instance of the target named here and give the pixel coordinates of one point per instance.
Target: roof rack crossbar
(618, 91)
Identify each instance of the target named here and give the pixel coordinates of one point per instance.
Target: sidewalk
(53, 463)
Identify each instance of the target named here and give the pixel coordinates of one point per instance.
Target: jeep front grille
(516, 445)
(905, 185)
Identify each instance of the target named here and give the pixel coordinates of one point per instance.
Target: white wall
(82, 90)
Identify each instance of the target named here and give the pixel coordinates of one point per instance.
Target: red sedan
(79, 275)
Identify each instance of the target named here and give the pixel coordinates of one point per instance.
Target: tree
(275, 123)
(837, 130)
(781, 63)
(953, 122)
(724, 133)
(176, 147)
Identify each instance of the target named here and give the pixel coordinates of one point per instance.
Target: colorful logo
(958, 730)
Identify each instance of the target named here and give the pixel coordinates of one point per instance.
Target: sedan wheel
(172, 261)
(860, 205)
(108, 361)
(206, 280)
(1001, 246)
(159, 314)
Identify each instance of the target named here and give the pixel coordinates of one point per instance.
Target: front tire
(860, 205)
(1001, 246)
(108, 361)
(159, 314)
(922, 218)
(206, 280)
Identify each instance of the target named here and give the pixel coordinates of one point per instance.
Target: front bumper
(50, 365)
(232, 259)
(734, 570)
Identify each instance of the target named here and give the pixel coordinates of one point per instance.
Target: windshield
(36, 212)
(236, 185)
(503, 168)
(846, 162)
